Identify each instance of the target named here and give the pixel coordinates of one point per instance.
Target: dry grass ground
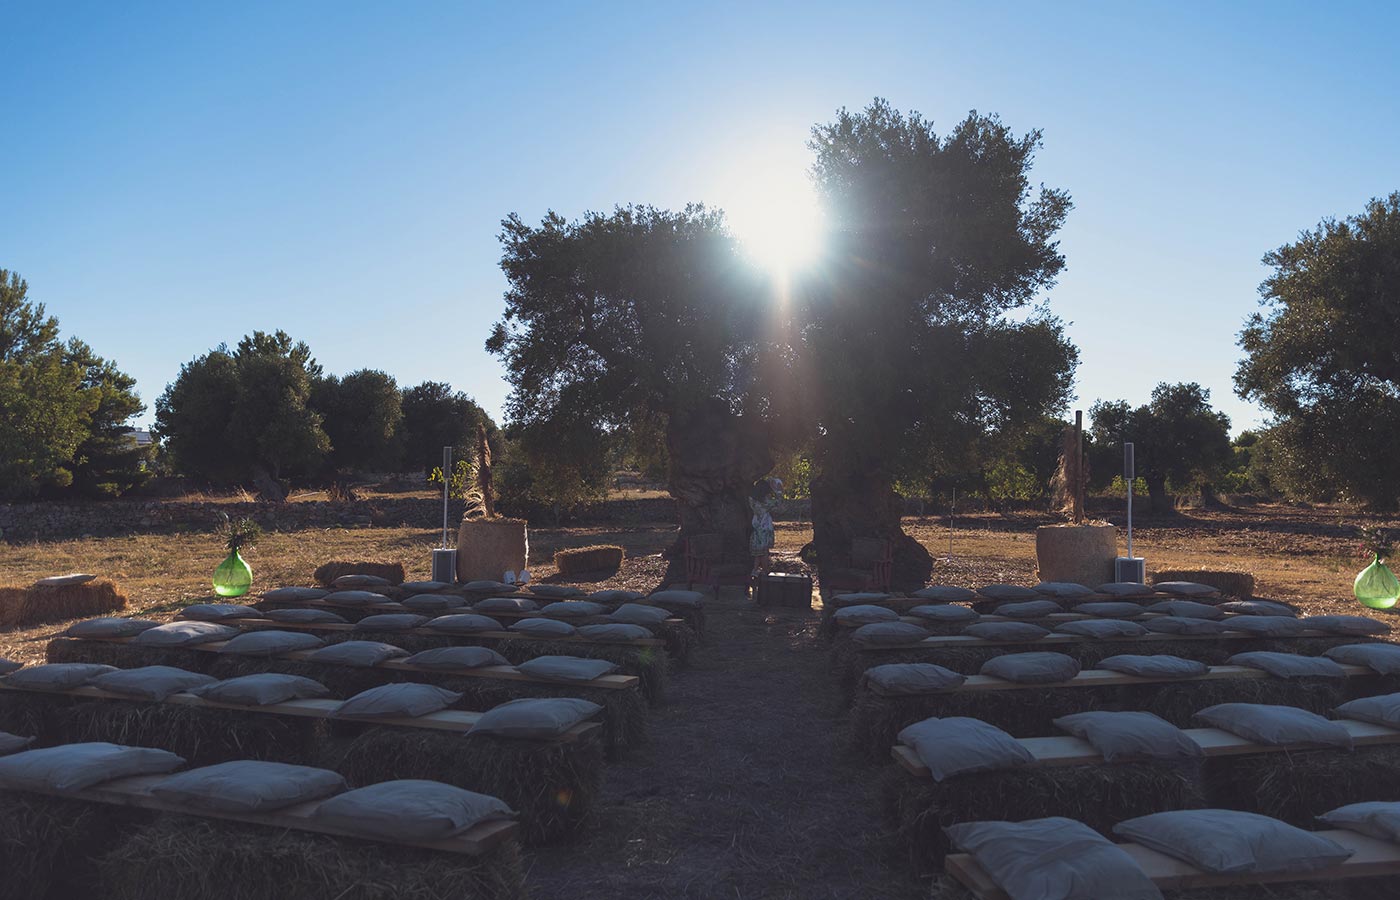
(744, 791)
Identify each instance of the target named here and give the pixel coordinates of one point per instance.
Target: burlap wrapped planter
(488, 548)
(1078, 554)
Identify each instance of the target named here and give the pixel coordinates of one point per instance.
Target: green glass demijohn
(233, 577)
(1376, 587)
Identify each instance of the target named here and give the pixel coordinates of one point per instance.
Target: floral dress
(761, 539)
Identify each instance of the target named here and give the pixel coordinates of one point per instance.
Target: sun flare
(778, 221)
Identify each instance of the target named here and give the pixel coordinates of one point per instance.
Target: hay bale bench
(965, 654)
(59, 599)
(581, 560)
(624, 706)
(118, 841)
(1371, 858)
(551, 783)
(1029, 710)
(1068, 777)
(326, 574)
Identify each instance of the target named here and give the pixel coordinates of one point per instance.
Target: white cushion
(1272, 725)
(295, 594)
(614, 631)
(1064, 590)
(1266, 626)
(636, 614)
(1187, 609)
(556, 591)
(357, 653)
(534, 718)
(433, 603)
(305, 616)
(355, 598)
(1186, 589)
(72, 767)
(865, 614)
(889, 633)
(463, 623)
(945, 614)
(262, 689)
(1005, 631)
(1357, 626)
(1032, 668)
(150, 682)
(1381, 710)
(676, 599)
(425, 587)
(621, 596)
(1230, 842)
(911, 678)
(567, 668)
(1053, 859)
(1130, 735)
(56, 676)
(1011, 592)
(248, 786)
(1156, 665)
(1382, 658)
(270, 643)
(457, 658)
(506, 604)
(410, 810)
(1111, 609)
(478, 587)
(1183, 625)
(184, 634)
(542, 627)
(1288, 665)
(1029, 609)
(391, 622)
(397, 700)
(959, 746)
(1257, 608)
(8, 665)
(1101, 628)
(1375, 819)
(573, 609)
(944, 593)
(859, 598)
(13, 743)
(109, 627)
(218, 612)
(359, 581)
(1125, 589)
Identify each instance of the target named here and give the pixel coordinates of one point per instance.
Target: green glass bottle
(1376, 587)
(233, 577)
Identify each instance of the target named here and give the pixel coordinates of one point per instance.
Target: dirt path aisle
(743, 792)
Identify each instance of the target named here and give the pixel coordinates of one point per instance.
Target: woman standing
(762, 498)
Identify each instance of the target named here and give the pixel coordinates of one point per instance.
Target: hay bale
(597, 558)
(1298, 786)
(48, 845)
(1233, 584)
(128, 656)
(1077, 554)
(21, 607)
(488, 548)
(1177, 702)
(178, 856)
(202, 736)
(326, 574)
(1099, 796)
(552, 785)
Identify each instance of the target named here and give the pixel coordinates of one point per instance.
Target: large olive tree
(910, 354)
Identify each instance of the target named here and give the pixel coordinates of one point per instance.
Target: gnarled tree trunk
(1157, 498)
(850, 502)
(715, 457)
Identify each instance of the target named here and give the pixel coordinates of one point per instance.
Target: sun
(776, 217)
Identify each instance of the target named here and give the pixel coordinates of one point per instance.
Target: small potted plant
(1376, 587)
(233, 577)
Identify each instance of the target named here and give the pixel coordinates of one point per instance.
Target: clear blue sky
(175, 175)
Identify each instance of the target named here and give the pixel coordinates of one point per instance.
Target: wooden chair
(870, 566)
(704, 564)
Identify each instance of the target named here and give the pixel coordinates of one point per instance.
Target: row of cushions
(1066, 860)
(396, 811)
